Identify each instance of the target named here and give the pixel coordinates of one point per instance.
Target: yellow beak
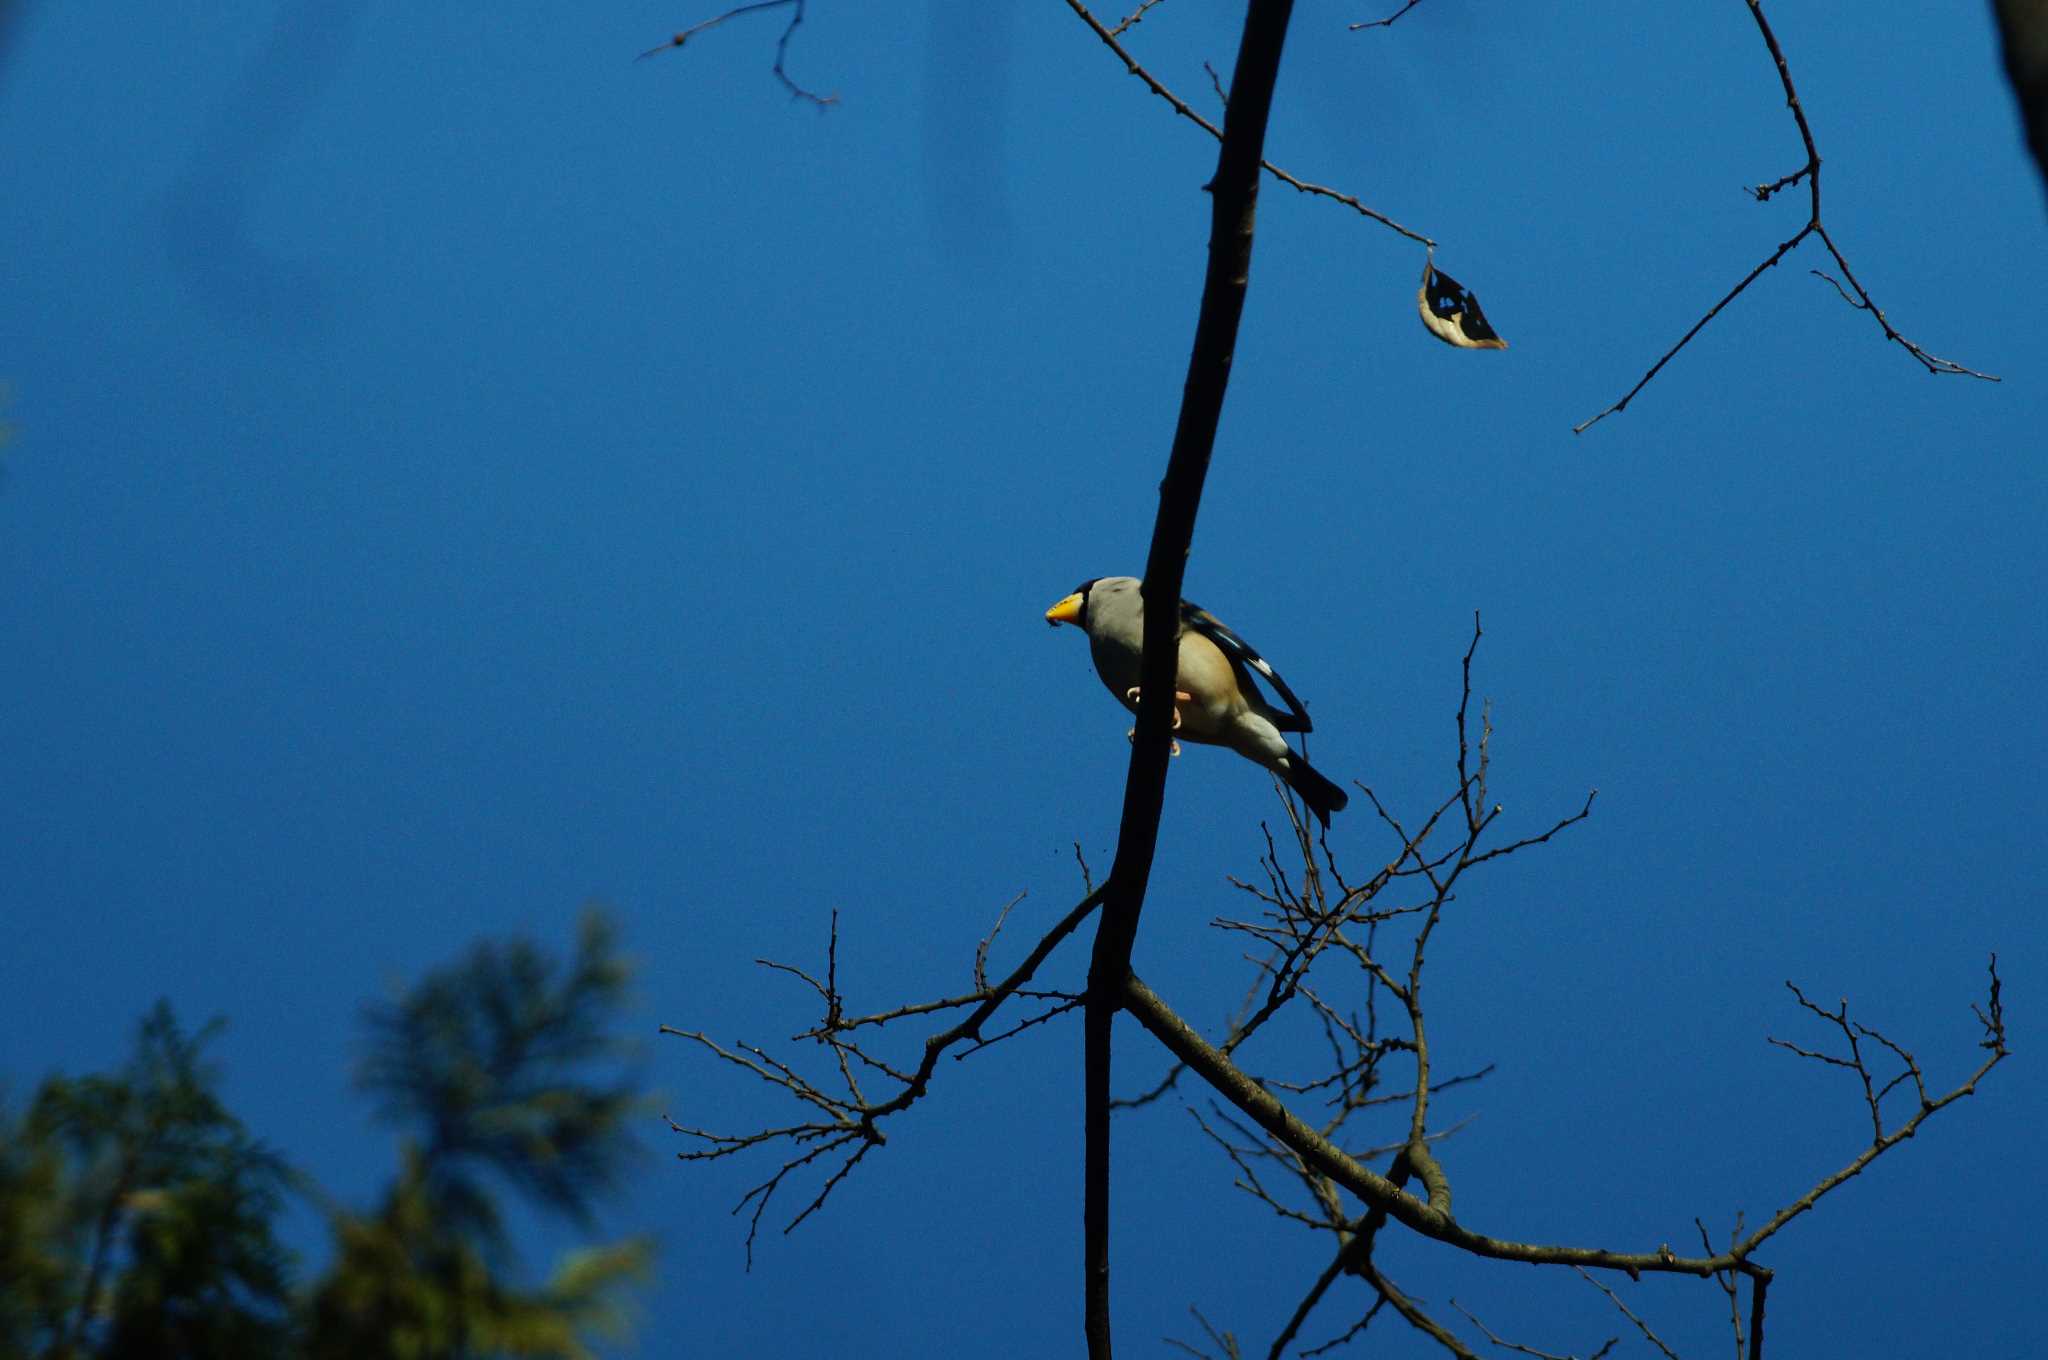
(1066, 611)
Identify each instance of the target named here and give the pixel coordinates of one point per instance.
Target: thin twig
(1225, 1342)
(1641, 1325)
(1387, 22)
(1216, 84)
(1504, 1343)
(1411, 1310)
(1727, 1282)
(1355, 1330)
(1135, 15)
(981, 951)
(796, 18)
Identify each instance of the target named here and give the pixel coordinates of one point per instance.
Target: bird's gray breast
(1119, 664)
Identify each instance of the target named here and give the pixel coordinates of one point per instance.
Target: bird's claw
(1180, 697)
(1132, 737)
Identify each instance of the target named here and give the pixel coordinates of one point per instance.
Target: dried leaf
(1452, 313)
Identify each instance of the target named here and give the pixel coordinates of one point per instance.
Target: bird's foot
(1180, 696)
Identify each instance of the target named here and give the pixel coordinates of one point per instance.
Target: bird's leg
(1180, 696)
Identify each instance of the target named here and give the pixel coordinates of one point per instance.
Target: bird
(1216, 701)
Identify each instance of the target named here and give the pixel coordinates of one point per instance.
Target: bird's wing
(1238, 650)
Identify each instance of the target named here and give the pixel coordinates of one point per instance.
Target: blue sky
(460, 472)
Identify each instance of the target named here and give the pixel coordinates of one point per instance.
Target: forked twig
(1810, 173)
(850, 1124)
(796, 18)
(1182, 107)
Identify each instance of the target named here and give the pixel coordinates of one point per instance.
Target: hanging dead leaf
(1451, 313)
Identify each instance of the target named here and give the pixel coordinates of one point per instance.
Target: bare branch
(1181, 107)
(1377, 1191)
(852, 1123)
(1434, 1221)
(1933, 363)
(1810, 173)
(1992, 1017)
(762, 1193)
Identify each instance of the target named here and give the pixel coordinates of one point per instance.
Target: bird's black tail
(1322, 797)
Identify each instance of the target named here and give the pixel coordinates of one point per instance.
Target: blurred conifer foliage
(138, 1215)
